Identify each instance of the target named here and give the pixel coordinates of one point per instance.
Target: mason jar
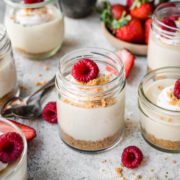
(164, 40)
(16, 170)
(8, 77)
(36, 30)
(159, 109)
(91, 117)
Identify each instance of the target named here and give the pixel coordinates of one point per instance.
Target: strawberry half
(147, 29)
(28, 132)
(127, 59)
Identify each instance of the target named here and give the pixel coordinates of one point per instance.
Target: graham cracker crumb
(151, 170)
(122, 165)
(173, 100)
(118, 172)
(104, 161)
(165, 158)
(160, 87)
(46, 68)
(102, 170)
(165, 176)
(38, 83)
(39, 74)
(139, 176)
(161, 118)
(22, 87)
(173, 161)
(169, 119)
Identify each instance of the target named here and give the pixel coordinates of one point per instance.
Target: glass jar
(164, 41)
(36, 30)
(8, 78)
(91, 117)
(160, 125)
(16, 170)
(78, 8)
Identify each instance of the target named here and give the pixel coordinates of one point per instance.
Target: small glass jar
(160, 126)
(8, 77)
(16, 170)
(36, 30)
(78, 8)
(164, 41)
(91, 117)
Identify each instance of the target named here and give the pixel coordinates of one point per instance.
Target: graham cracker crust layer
(167, 144)
(90, 145)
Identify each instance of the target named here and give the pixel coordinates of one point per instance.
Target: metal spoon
(28, 107)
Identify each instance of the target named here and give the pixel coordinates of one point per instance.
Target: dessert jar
(78, 8)
(164, 40)
(36, 30)
(91, 117)
(159, 109)
(16, 170)
(8, 78)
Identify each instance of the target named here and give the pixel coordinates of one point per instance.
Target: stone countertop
(50, 159)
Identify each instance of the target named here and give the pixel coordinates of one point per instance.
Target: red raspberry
(177, 89)
(32, 1)
(85, 70)
(50, 112)
(11, 147)
(132, 157)
(169, 22)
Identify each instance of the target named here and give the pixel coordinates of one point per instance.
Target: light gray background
(49, 158)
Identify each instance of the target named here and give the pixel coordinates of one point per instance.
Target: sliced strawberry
(28, 132)
(128, 60)
(147, 29)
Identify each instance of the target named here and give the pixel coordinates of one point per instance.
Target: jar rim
(120, 74)
(141, 89)
(4, 32)
(33, 5)
(156, 18)
(24, 150)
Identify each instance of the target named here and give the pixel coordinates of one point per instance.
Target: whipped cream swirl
(29, 17)
(165, 99)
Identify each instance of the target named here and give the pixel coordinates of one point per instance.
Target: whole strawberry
(117, 11)
(147, 29)
(129, 29)
(141, 9)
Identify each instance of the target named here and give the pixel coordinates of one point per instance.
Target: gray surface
(50, 159)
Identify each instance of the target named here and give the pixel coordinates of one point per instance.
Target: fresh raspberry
(132, 157)
(169, 22)
(50, 112)
(32, 1)
(85, 70)
(177, 89)
(11, 147)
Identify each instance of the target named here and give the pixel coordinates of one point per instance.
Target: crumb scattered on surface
(38, 83)
(160, 87)
(102, 170)
(165, 158)
(173, 161)
(118, 172)
(151, 170)
(104, 161)
(122, 165)
(165, 176)
(161, 118)
(46, 68)
(22, 87)
(39, 74)
(169, 119)
(139, 176)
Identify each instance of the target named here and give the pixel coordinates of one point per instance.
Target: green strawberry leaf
(137, 3)
(116, 24)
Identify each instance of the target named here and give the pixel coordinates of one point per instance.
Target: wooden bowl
(137, 49)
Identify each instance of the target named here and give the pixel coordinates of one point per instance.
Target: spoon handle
(48, 84)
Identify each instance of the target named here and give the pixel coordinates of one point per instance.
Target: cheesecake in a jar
(8, 77)
(37, 29)
(13, 152)
(159, 105)
(164, 40)
(90, 100)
